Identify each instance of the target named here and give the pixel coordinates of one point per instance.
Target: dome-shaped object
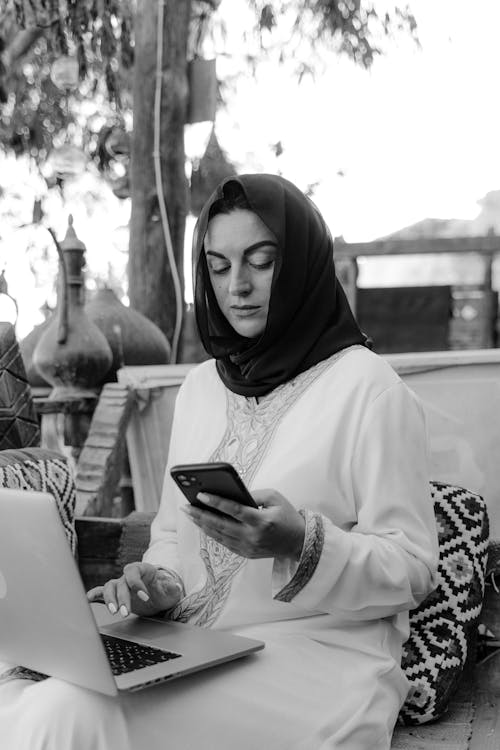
(133, 338)
(27, 347)
(79, 364)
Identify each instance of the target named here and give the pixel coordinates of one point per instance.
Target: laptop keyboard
(127, 656)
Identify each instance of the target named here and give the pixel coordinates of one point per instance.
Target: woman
(332, 446)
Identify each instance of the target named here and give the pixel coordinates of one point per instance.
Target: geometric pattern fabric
(42, 471)
(443, 626)
(19, 426)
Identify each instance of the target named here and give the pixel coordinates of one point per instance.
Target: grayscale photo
(249, 375)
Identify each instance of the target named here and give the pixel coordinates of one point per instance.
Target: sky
(416, 136)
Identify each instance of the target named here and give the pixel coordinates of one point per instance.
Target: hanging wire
(159, 185)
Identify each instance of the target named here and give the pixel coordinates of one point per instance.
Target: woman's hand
(143, 589)
(275, 529)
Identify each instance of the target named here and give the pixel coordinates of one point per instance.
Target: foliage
(353, 27)
(99, 31)
(35, 113)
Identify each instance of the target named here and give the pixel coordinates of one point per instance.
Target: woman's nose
(239, 282)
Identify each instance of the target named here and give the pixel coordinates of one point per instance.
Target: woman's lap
(294, 694)
(55, 715)
(297, 693)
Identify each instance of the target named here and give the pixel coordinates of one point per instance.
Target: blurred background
(125, 115)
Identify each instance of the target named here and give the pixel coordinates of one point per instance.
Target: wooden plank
(135, 537)
(485, 245)
(486, 725)
(102, 457)
(98, 549)
(83, 405)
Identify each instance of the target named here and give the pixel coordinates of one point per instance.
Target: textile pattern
(309, 558)
(42, 471)
(443, 627)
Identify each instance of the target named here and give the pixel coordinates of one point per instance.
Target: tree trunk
(151, 287)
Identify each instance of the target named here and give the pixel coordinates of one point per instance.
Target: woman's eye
(218, 269)
(262, 265)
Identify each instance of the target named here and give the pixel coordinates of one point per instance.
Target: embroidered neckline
(295, 382)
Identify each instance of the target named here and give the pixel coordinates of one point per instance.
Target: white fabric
(54, 715)
(347, 441)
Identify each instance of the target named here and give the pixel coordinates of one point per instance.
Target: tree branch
(20, 45)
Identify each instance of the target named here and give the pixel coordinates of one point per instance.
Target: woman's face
(241, 274)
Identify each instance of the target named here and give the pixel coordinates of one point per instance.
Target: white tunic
(346, 443)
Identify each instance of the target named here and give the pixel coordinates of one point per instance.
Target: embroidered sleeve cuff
(299, 575)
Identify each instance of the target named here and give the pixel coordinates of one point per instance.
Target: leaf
(267, 18)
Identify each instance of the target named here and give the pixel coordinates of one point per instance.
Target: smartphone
(216, 479)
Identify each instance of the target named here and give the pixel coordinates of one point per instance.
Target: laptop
(47, 623)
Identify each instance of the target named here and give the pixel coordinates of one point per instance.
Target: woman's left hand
(275, 529)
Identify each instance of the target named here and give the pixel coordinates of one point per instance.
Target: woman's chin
(250, 329)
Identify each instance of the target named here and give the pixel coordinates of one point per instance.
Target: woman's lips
(244, 311)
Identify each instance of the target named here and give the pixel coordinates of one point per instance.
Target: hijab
(309, 318)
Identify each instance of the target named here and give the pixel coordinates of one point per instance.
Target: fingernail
(142, 595)
(123, 611)
(203, 498)
(112, 608)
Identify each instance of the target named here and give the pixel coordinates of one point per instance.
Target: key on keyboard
(127, 656)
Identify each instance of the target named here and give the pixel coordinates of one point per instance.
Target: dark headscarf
(309, 317)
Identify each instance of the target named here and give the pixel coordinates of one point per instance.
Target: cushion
(18, 420)
(44, 471)
(443, 627)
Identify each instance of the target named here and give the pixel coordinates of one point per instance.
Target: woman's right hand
(143, 589)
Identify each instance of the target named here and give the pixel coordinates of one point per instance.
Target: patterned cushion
(443, 627)
(44, 471)
(18, 420)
